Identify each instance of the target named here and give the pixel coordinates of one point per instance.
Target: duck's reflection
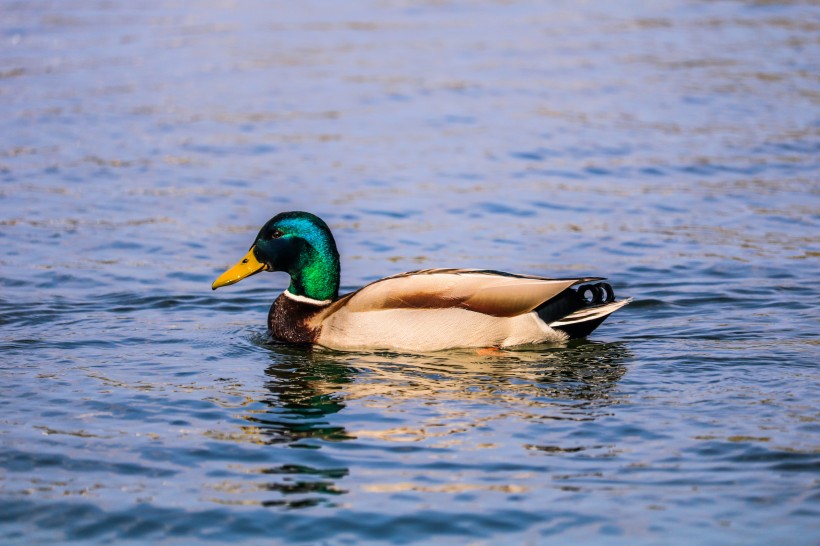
(304, 389)
(435, 398)
(584, 372)
(578, 375)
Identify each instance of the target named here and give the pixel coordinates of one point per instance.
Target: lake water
(671, 146)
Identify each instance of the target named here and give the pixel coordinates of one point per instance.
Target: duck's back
(438, 309)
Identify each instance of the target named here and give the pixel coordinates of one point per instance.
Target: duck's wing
(488, 292)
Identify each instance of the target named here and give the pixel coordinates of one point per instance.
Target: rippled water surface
(671, 146)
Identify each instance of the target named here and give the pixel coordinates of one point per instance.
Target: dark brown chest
(289, 320)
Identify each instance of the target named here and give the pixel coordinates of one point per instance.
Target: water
(671, 146)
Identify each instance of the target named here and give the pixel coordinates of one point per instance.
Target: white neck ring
(305, 299)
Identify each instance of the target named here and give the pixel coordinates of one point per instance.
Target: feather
(424, 330)
(589, 314)
(486, 292)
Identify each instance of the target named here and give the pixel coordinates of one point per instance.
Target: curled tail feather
(577, 312)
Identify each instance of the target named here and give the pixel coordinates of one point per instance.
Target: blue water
(671, 146)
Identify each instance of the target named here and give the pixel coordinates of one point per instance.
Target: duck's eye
(276, 233)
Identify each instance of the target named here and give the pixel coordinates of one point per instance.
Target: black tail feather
(559, 306)
(572, 300)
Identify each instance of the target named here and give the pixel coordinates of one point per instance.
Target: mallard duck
(419, 311)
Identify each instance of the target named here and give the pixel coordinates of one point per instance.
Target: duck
(418, 311)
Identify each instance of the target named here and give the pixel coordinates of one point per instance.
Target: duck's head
(299, 244)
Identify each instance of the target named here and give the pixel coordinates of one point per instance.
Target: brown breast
(288, 320)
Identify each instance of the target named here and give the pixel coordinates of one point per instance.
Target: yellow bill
(246, 267)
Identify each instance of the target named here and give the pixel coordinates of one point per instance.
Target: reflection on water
(538, 376)
(301, 399)
(309, 389)
(303, 393)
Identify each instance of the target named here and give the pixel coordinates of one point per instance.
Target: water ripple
(669, 147)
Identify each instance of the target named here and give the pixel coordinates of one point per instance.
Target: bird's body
(419, 311)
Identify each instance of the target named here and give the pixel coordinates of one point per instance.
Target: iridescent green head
(299, 244)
